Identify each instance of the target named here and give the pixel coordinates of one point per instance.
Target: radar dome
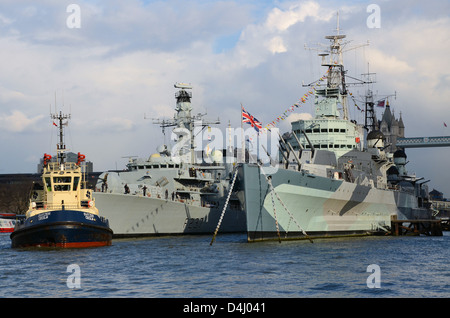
(217, 156)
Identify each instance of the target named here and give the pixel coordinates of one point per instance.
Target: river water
(188, 267)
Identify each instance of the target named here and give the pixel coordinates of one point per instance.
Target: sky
(112, 65)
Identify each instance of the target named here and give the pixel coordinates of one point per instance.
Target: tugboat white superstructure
(62, 211)
(329, 183)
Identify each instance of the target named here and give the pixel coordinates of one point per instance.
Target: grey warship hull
(320, 206)
(138, 216)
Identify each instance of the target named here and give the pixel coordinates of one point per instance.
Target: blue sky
(123, 61)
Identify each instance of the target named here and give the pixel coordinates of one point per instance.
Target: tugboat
(62, 211)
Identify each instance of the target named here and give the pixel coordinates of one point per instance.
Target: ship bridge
(422, 142)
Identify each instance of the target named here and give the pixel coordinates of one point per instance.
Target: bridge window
(62, 179)
(62, 183)
(62, 187)
(48, 184)
(76, 181)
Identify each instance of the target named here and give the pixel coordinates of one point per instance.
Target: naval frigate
(178, 190)
(335, 177)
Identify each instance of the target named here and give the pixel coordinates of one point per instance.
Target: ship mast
(335, 64)
(183, 117)
(369, 118)
(60, 146)
(332, 58)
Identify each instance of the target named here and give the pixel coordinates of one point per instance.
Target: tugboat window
(48, 184)
(75, 183)
(62, 187)
(62, 183)
(62, 180)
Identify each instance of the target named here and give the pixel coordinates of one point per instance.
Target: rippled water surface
(188, 266)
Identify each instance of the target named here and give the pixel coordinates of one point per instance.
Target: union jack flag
(249, 119)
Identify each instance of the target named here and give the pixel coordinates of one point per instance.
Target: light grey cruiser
(330, 183)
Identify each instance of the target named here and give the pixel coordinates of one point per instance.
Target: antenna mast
(60, 146)
(332, 57)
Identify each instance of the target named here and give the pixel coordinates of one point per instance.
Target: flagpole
(242, 135)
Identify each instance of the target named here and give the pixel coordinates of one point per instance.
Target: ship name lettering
(43, 216)
(89, 216)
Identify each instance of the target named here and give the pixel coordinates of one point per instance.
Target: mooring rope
(225, 206)
(275, 215)
(272, 189)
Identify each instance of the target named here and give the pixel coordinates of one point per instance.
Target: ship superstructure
(330, 129)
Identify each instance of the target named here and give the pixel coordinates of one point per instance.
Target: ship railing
(41, 205)
(195, 174)
(55, 166)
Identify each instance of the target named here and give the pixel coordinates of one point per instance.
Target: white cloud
(389, 64)
(18, 122)
(276, 45)
(281, 20)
